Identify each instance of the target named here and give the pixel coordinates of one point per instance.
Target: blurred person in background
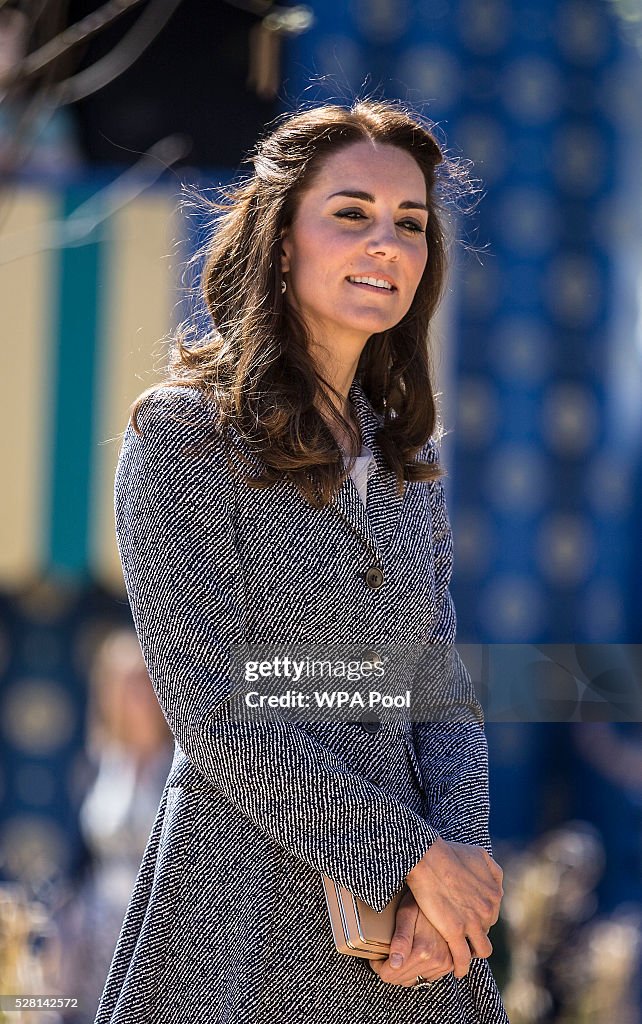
(130, 745)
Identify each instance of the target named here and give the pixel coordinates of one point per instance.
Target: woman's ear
(285, 253)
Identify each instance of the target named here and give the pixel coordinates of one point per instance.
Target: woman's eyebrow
(366, 197)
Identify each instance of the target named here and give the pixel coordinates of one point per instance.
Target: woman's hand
(417, 948)
(458, 887)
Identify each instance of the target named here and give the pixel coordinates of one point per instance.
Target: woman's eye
(411, 225)
(350, 214)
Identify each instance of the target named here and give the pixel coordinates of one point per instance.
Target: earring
(284, 287)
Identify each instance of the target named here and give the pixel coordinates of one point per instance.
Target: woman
(238, 524)
(130, 748)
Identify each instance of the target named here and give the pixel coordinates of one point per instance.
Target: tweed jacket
(227, 921)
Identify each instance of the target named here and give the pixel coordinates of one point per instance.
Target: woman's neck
(341, 436)
(344, 407)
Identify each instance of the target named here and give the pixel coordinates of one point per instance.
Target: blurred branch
(78, 228)
(35, 16)
(25, 116)
(80, 32)
(42, 63)
(121, 57)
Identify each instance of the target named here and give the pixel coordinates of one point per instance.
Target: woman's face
(356, 250)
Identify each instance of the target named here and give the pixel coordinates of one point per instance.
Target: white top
(364, 467)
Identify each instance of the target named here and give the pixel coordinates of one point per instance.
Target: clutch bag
(357, 929)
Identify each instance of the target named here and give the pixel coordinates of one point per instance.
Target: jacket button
(370, 723)
(374, 577)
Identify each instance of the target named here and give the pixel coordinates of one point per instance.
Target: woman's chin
(371, 325)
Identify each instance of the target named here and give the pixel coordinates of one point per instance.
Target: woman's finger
(401, 943)
(407, 977)
(461, 955)
(480, 944)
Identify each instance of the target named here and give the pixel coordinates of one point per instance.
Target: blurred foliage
(565, 964)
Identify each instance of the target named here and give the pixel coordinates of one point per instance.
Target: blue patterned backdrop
(544, 398)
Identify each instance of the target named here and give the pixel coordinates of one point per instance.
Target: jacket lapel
(375, 526)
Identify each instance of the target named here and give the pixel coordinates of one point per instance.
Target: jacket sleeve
(449, 723)
(185, 584)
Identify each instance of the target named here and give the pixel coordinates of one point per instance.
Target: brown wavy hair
(254, 363)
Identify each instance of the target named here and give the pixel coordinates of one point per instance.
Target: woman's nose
(384, 242)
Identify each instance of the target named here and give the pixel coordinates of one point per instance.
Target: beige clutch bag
(358, 930)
